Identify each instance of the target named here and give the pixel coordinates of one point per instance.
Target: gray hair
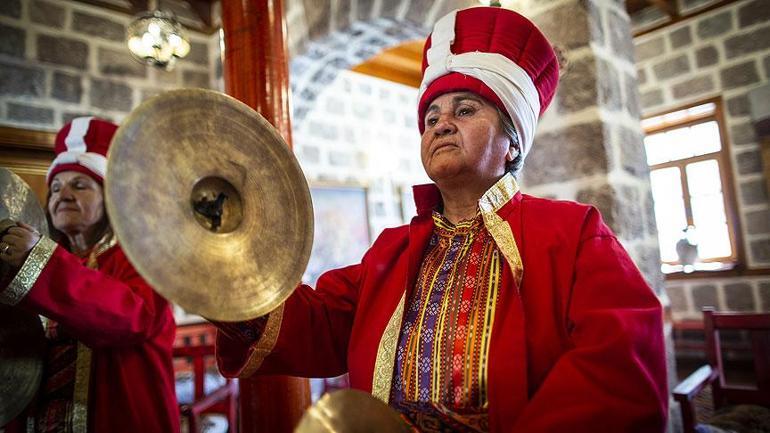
(513, 167)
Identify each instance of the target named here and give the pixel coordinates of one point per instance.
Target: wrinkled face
(76, 203)
(463, 139)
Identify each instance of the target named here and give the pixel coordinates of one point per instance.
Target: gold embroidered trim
(492, 200)
(386, 354)
(105, 243)
(80, 398)
(29, 272)
(264, 346)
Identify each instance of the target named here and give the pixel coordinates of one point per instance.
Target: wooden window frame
(723, 158)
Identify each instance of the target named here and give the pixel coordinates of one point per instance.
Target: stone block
(21, 80)
(62, 51)
(747, 43)
(692, 87)
(12, 41)
(196, 79)
(704, 295)
(631, 94)
(647, 259)
(417, 12)
(574, 152)
(47, 14)
(758, 222)
(575, 35)
(66, 87)
(610, 95)
(110, 95)
(335, 105)
(706, 56)
(164, 77)
(119, 64)
(738, 106)
(67, 116)
(578, 87)
(620, 35)
(98, 26)
(651, 98)
(743, 133)
(749, 162)
(760, 250)
(678, 299)
(649, 210)
(672, 67)
(739, 75)
(680, 37)
(764, 295)
(649, 49)
(754, 12)
(766, 62)
(311, 154)
(754, 192)
(199, 53)
(149, 93)
(317, 16)
(620, 208)
(340, 159)
(739, 297)
(364, 9)
(715, 25)
(632, 155)
(10, 8)
(29, 114)
(326, 131)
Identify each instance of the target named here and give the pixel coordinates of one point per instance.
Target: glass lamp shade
(156, 38)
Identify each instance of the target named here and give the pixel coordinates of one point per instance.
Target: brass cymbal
(209, 204)
(22, 346)
(19, 203)
(351, 411)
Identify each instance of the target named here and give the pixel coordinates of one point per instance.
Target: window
(689, 177)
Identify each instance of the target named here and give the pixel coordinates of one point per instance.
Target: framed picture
(341, 229)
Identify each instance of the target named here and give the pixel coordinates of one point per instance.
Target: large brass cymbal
(22, 346)
(351, 411)
(172, 161)
(19, 203)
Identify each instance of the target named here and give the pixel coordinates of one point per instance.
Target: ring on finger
(6, 249)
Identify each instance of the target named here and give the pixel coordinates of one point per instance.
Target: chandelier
(157, 38)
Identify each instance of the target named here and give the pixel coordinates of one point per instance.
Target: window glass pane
(682, 143)
(703, 178)
(703, 138)
(708, 209)
(656, 147)
(669, 210)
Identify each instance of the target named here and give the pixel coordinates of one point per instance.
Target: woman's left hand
(16, 244)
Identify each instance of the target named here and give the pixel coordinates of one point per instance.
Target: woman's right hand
(16, 244)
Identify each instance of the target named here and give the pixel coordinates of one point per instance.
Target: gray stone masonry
(66, 87)
(672, 67)
(716, 25)
(621, 44)
(739, 297)
(575, 35)
(199, 53)
(706, 56)
(764, 295)
(694, 86)
(632, 155)
(738, 106)
(21, 80)
(46, 13)
(620, 207)
(578, 87)
(111, 95)
(610, 95)
(12, 41)
(10, 8)
(760, 250)
(754, 192)
(651, 98)
(704, 296)
(196, 79)
(743, 133)
(641, 76)
(678, 298)
(118, 63)
(747, 43)
(62, 51)
(631, 96)
(758, 222)
(749, 162)
(649, 49)
(739, 75)
(93, 25)
(766, 62)
(755, 12)
(30, 114)
(681, 37)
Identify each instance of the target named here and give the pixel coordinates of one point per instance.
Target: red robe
(577, 347)
(130, 329)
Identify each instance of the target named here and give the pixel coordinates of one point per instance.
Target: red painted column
(256, 72)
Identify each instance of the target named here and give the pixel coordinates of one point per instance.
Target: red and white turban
(495, 53)
(81, 145)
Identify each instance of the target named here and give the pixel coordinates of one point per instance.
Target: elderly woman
(108, 364)
(492, 310)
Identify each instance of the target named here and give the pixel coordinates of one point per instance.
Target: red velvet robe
(577, 348)
(130, 329)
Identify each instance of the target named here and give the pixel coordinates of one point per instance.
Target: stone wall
(723, 53)
(63, 59)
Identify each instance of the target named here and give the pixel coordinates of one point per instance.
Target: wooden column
(256, 72)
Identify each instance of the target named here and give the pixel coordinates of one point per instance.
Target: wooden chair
(194, 352)
(758, 327)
